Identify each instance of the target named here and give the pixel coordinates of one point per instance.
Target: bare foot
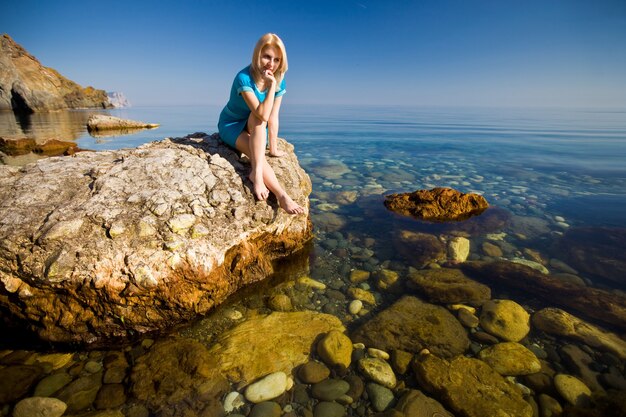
(277, 154)
(289, 205)
(258, 186)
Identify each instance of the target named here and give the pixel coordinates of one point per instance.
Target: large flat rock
(115, 243)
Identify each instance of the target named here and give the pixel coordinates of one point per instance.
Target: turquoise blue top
(235, 114)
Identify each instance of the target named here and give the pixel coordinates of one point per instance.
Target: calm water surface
(556, 169)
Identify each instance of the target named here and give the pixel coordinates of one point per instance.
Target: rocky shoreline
(476, 318)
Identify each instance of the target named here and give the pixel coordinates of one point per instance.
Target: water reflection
(63, 125)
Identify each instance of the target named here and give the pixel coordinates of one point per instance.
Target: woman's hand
(268, 76)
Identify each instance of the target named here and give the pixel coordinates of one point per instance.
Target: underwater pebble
(267, 388)
(355, 307)
(233, 401)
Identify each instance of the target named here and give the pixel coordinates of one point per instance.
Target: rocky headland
(28, 86)
(120, 243)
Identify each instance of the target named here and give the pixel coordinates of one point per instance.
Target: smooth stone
(492, 250)
(329, 389)
(361, 294)
(266, 409)
(51, 384)
(110, 396)
(267, 388)
(280, 302)
(450, 286)
(380, 397)
(92, 367)
(57, 360)
(355, 306)
(532, 264)
(467, 319)
(572, 389)
(377, 353)
(400, 361)
(313, 372)
(549, 407)
(81, 393)
(16, 381)
(335, 349)
(358, 275)
(379, 371)
(414, 403)
(39, 407)
(233, 401)
(357, 386)
(329, 409)
(310, 282)
(505, 319)
(510, 358)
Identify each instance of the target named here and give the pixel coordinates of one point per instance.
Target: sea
(550, 171)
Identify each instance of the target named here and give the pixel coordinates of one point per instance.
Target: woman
(252, 112)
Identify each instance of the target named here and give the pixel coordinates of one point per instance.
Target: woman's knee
(255, 123)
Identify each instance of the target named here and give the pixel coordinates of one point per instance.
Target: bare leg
(254, 147)
(262, 175)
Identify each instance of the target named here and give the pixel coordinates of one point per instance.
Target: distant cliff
(28, 86)
(117, 99)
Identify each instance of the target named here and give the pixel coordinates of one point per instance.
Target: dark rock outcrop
(123, 242)
(27, 86)
(439, 204)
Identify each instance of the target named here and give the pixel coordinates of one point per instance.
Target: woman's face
(270, 59)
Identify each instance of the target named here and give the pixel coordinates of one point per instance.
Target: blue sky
(436, 52)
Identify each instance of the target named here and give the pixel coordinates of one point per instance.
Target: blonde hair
(269, 39)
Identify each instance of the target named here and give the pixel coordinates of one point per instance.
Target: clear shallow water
(556, 169)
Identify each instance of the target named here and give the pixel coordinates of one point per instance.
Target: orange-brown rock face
(110, 244)
(439, 204)
(28, 86)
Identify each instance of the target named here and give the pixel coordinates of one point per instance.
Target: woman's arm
(262, 110)
(272, 127)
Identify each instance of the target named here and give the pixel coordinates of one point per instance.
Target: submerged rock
(510, 358)
(449, 286)
(505, 319)
(419, 248)
(263, 345)
(470, 387)
(27, 86)
(598, 304)
(99, 122)
(598, 252)
(177, 376)
(412, 325)
(122, 242)
(438, 204)
(557, 322)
